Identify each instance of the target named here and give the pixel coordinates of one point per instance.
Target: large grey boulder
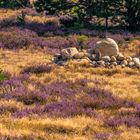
(107, 47)
(69, 53)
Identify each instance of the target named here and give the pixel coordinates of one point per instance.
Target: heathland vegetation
(41, 100)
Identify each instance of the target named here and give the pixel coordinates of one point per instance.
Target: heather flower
(28, 97)
(38, 68)
(103, 136)
(8, 86)
(37, 110)
(16, 38)
(126, 120)
(6, 109)
(67, 109)
(31, 12)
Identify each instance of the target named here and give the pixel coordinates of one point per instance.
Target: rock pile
(106, 54)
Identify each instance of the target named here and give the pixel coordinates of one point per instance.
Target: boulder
(123, 66)
(114, 63)
(61, 63)
(107, 47)
(68, 53)
(106, 58)
(113, 59)
(124, 62)
(92, 57)
(94, 63)
(120, 57)
(137, 62)
(131, 64)
(129, 58)
(101, 63)
(91, 50)
(107, 64)
(112, 66)
(57, 57)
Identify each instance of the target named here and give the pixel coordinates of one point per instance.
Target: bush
(14, 38)
(21, 18)
(38, 68)
(81, 41)
(13, 3)
(3, 76)
(68, 20)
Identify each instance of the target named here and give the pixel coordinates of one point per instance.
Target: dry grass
(122, 82)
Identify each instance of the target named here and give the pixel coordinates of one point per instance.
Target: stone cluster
(106, 54)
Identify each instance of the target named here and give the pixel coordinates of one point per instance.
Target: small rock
(98, 56)
(137, 62)
(113, 59)
(131, 64)
(57, 57)
(124, 62)
(101, 63)
(91, 51)
(106, 58)
(112, 66)
(118, 62)
(61, 63)
(92, 57)
(120, 57)
(107, 47)
(129, 58)
(107, 64)
(123, 66)
(114, 63)
(94, 63)
(68, 53)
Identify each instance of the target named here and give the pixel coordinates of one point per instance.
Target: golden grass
(123, 83)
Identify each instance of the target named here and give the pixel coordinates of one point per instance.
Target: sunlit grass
(123, 83)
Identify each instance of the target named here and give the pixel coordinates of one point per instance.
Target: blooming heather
(38, 68)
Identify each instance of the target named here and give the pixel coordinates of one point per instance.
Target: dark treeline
(101, 12)
(122, 12)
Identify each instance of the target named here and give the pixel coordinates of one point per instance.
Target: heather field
(40, 100)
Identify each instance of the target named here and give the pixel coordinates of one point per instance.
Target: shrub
(68, 20)
(13, 3)
(82, 41)
(38, 68)
(30, 11)
(28, 97)
(21, 18)
(14, 38)
(4, 75)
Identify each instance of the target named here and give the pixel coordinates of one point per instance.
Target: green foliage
(2, 76)
(21, 18)
(51, 6)
(132, 14)
(13, 3)
(119, 12)
(81, 40)
(78, 12)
